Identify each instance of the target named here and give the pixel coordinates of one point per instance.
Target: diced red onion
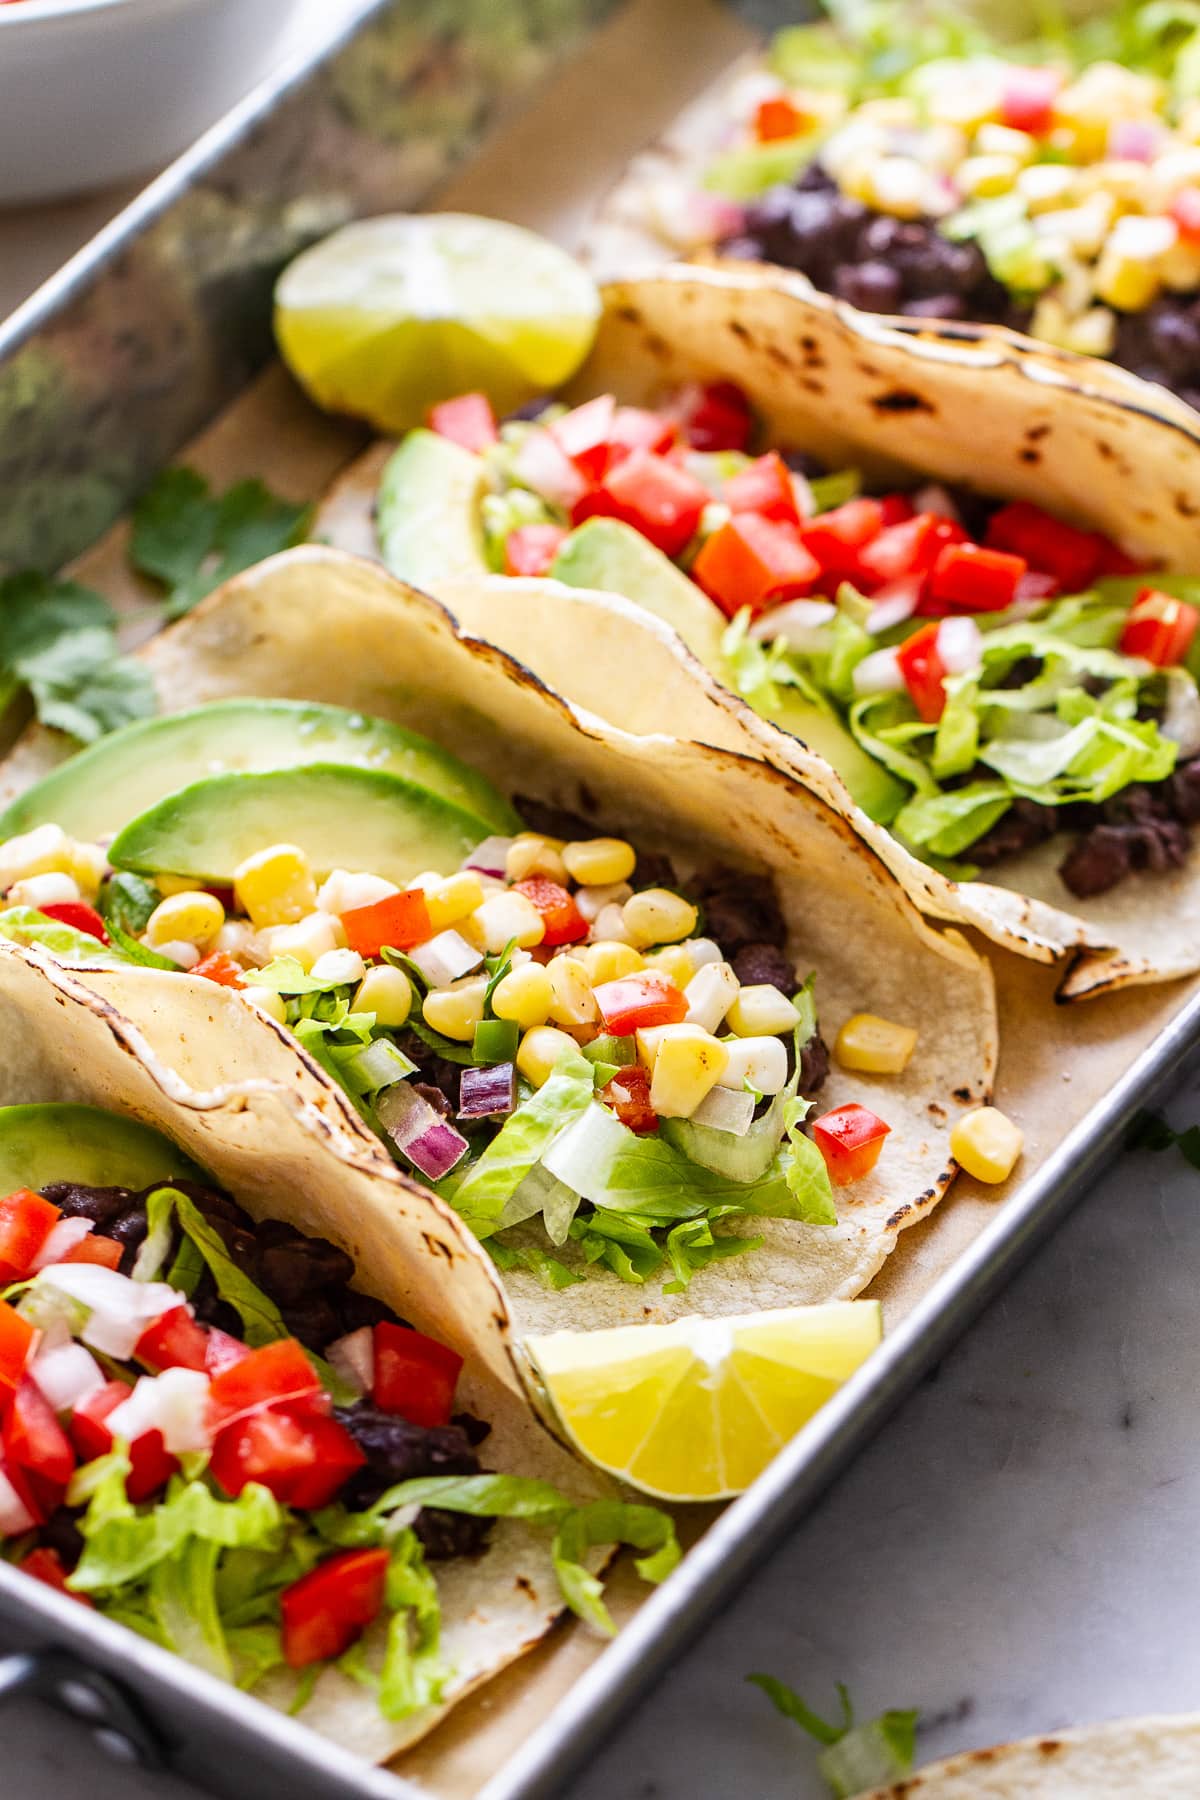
(726, 1109)
(878, 673)
(893, 604)
(445, 957)
(960, 645)
(1036, 585)
(544, 465)
(62, 1240)
(1134, 140)
(934, 498)
(15, 1517)
(800, 623)
(66, 1375)
(487, 1093)
(430, 1143)
(490, 857)
(353, 1357)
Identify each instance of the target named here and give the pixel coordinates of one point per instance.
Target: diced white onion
(118, 1309)
(1181, 718)
(934, 498)
(445, 957)
(544, 466)
(66, 1375)
(490, 857)
(726, 1109)
(345, 891)
(592, 901)
(186, 955)
(63, 1239)
(174, 1403)
(892, 605)
(702, 951)
(15, 1517)
(960, 645)
(878, 673)
(353, 1356)
(710, 994)
(800, 623)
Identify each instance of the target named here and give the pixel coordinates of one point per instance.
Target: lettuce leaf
(489, 1182)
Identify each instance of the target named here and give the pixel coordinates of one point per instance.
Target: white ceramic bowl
(94, 92)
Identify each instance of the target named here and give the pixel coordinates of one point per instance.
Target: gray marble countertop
(1014, 1553)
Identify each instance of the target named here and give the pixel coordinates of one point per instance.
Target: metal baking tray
(137, 345)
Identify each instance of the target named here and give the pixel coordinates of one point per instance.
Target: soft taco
(226, 1421)
(993, 642)
(581, 998)
(908, 162)
(1156, 1758)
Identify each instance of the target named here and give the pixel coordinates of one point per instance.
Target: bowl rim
(32, 12)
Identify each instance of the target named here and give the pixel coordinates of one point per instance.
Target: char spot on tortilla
(1036, 433)
(1051, 1746)
(1105, 450)
(630, 314)
(1030, 456)
(525, 1586)
(964, 1094)
(781, 359)
(936, 1110)
(738, 330)
(657, 346)
(811, 385)
(902, 400)
(1186, 505)
(436, 1247)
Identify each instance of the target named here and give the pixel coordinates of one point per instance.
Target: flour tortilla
(853, 390)
(264, 1138)
(317, 624)
(1154, 1759)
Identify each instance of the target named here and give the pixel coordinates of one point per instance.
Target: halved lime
(390, 315)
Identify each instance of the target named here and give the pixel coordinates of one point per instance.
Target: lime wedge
(695, 1410)
(390, 315)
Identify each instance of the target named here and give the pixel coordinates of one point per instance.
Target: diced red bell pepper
(47, 1566)
(326, 1610)
(151, 1465)
(79, 916)
(221, 968)
(104, 1252)
(468, 420)
(585, 433)
(174, 1341)
(636, 428)
(1070, 555)
(755, 562)
(1185, 210)
(850, 1139)
(400, 922)
(277, 1374)
(765, 487)
(968, 578)
(303, 1460)
(777, 117)
(907, 548)
(628, 1093)
(16, 1342)
(838, 538)
(1027, 102)
(715, 415)
(223, 1351)
(562, 919)
(35, 1442)
(653, 495)
(924, 672)
(637, 1002)
(531, 549)
(1159, 628)
(26, 1221)
(896, 508)
(415, 1376)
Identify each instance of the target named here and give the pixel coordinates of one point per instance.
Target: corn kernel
(343, 891)
(87, 863)
(1003, 140)
(306, 940)
(648, 1041)
(896, 185)
(45, 850)
(757, 1062)
(454, 898)
(599, 862)
(573, 1001)
(540, 1050)
(531, 854)
(505, 916)
(266, 1000)
(386, 992)
(672, 961)
(275, 886)
(1045, 187)
(983, 177)
(339, 966)
(609, 960)
(43, 890)
(761, 1011)
(191, 918)
(234, 938)
(169, 885)
(524, 995)
(874, 1045)
(689, 1062)
(658, 916)
(987, 1144)
(710, 994)
(456, 1011)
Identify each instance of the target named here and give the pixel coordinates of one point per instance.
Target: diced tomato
(400, 922)
(777, 117)
(274, 1375)
(327, 1609)
(585, 434)
(304, 1461)
(850, 1139)
(838, 538)
(47, 1566)
(896, 508)
(1115, 561)
(636, 428)
(221, 968)
(715, 415)
(78, 916)
(908, 548)
(752, 561)
(1070, 555)
(223, 1351)
(151, 1464)
(945, 532)
(16, 1342)
(653, 495)
(104, 1252)
(968, 578)
(637, 1002)
(468, 419)
(174, 1341)
(765, 487)
(531, 549)
(924, 672)
(1185, 210)
(34, 1441)
(1027, 102)
(562, 919)
(628, 1093)
(26, 1221)
(1159, 628)
(415, 1376)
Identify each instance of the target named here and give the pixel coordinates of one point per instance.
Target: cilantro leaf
(58, 639)
(1151, 1132)
(190, 539)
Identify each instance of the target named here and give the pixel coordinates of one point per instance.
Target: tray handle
(116, 1722)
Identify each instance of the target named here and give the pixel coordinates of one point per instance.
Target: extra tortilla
(321, 625)
(1155, 1758)
(853, 390)
(266, 1138)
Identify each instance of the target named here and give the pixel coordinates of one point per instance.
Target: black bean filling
(309, 1280)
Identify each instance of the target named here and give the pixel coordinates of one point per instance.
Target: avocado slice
(127, 772)
(605, 554)
(428, 513)
(341, 817)
(41, 1144)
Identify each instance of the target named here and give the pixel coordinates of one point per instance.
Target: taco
(573, 997)
(1155, 1758)
(997, 652)
(908, 162)
(221, 1422)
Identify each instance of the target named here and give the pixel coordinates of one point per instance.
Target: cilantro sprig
(190, 540)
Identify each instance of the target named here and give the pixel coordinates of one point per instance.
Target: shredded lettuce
(854, 1757)
(482, 1193)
